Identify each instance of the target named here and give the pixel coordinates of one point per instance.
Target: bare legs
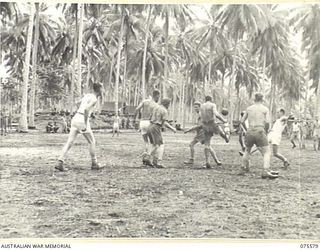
(92, 148)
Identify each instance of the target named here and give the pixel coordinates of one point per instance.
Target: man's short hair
(155, 92)
(196, 103)
(208, 98)
(282, 111)
(165, 102)
(258, 97)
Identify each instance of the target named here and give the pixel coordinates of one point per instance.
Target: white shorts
(144, 125)
(274, 138)
(77, 123)
(116, 126)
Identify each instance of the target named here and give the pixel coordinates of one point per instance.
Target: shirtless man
(80, 125)
(258, 119)
(209, 115)
(146, 108)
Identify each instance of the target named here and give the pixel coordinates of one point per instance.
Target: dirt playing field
(127, 200)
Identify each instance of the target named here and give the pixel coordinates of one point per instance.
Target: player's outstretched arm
(136, 111)
(170, 127)
(218, 115)
(193, 128)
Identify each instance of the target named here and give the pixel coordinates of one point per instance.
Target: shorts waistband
(156, 124)
(258, 126)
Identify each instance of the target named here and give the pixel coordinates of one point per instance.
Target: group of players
(254, 124)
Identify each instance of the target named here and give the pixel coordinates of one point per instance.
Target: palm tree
(240, 20)
(80, 35)
(23, 122)
(307, 19)
(34, 66)
(118, 61)
(150, 8)
(180, 12)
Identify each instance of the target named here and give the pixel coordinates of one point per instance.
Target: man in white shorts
(275, 135)
(295, 134)
(116, 126)
(146, 108)
(80, 125)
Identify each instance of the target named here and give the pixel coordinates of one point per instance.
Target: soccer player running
(200, 137)
(158, 120)
(275, 135)
(209, 114)
(80, 125)
(316, 134)
(146, 108)
(258, 119)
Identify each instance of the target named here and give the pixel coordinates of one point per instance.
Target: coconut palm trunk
(318, 99)
(124, 86)
(166, 70)
(144, 62)
(23, 122)
(34, 67)
(263, 87)
(116, 92)
(232, 80)
(80, 32)
(74, 57)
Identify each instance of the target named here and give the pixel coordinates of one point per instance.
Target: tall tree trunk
(263, 87)
(129, 94)
(166, 70)
(306, 96)
(272, 99)
(124, 85)
(86, 87)
(180, 98)
(34, 68)
(74, 58)
(144, 62)
(232, 80)
(318, 99)
(184, 104)
(118, 64)
(173, 103)
(110, 78)
(23, 122)
(79, 85)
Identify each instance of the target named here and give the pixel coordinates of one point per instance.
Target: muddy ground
(127, 200)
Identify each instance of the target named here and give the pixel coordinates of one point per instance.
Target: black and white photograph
(160, 121)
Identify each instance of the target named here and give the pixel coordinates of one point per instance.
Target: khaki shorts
(154, 134)
(256, 136)
(200, 136)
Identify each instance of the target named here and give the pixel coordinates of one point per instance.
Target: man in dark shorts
(158, 119)
(258, 119)
(209, 114)
(146, 108)
(199, 138)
